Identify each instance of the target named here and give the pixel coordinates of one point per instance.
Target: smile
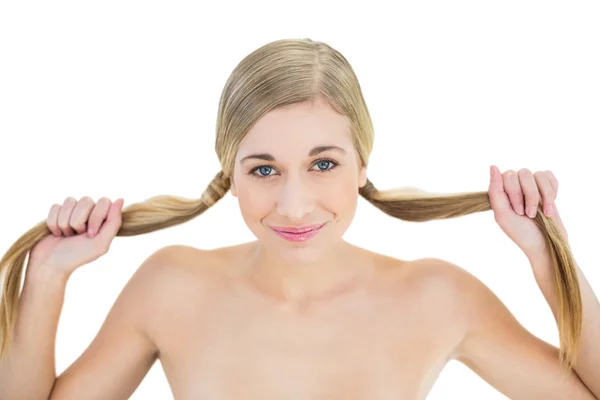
(297, 234)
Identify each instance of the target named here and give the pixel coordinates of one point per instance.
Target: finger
(498, 198)
(64, 215)
(80, 214)
(52, 220)
(98, 215)
(512, 187)
(113, 222)
(546, 190)
(553, 180)
(530, 192)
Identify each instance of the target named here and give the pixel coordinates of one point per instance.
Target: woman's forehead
(297, 130)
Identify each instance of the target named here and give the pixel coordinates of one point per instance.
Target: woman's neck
(342, 269)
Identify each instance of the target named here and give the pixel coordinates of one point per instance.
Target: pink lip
(299, 234)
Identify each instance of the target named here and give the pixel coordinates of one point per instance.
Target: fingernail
(91, 232)
(532, 211)
(548, 210)
(520, 210)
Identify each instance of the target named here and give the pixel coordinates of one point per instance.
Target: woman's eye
(264, 170)
(325, 165)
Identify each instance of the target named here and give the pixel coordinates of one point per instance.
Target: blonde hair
(286, 72)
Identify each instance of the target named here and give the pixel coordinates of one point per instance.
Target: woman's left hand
(514, 197)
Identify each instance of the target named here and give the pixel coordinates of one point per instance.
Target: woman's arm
(121, 354)
(501, 351)
(116, 361)
(29, 373)
(588, 356)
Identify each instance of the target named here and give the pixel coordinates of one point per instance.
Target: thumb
(498, 197)
(113, 222)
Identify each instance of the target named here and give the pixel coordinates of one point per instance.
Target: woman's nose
(295, 199)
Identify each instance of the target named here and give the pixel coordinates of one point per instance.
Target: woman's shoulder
(427, 272)
(449, 294)
(424, 271)
(179, 268)
(186, 265)
(439, 285)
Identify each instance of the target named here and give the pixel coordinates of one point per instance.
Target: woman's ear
(232, 188)
(362, 177)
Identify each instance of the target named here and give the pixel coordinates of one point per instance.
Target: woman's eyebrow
(313, 152)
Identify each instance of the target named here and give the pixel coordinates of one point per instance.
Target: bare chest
(237, 350)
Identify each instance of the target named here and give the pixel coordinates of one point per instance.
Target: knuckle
(69, 200)
(517, 201)
(63, 225)
(530, 189)
(511, 177)
(86, 200)
(552, 177)
(546, 190)
(97, 215)
(524, 171)
(77, 224)
(77, 220)
(51, 220)
(93, 223)
(53, 212)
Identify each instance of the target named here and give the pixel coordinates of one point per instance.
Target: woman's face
(297, 168)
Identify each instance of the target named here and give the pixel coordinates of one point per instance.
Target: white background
(119, 99)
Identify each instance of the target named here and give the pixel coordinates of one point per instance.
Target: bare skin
(383, 335)
(378, 337)
(386, 335)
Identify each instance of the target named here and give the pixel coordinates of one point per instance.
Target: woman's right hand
(82, 231)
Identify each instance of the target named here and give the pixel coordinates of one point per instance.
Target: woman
(300, 312)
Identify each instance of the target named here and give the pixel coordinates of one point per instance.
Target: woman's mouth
(299, 234)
